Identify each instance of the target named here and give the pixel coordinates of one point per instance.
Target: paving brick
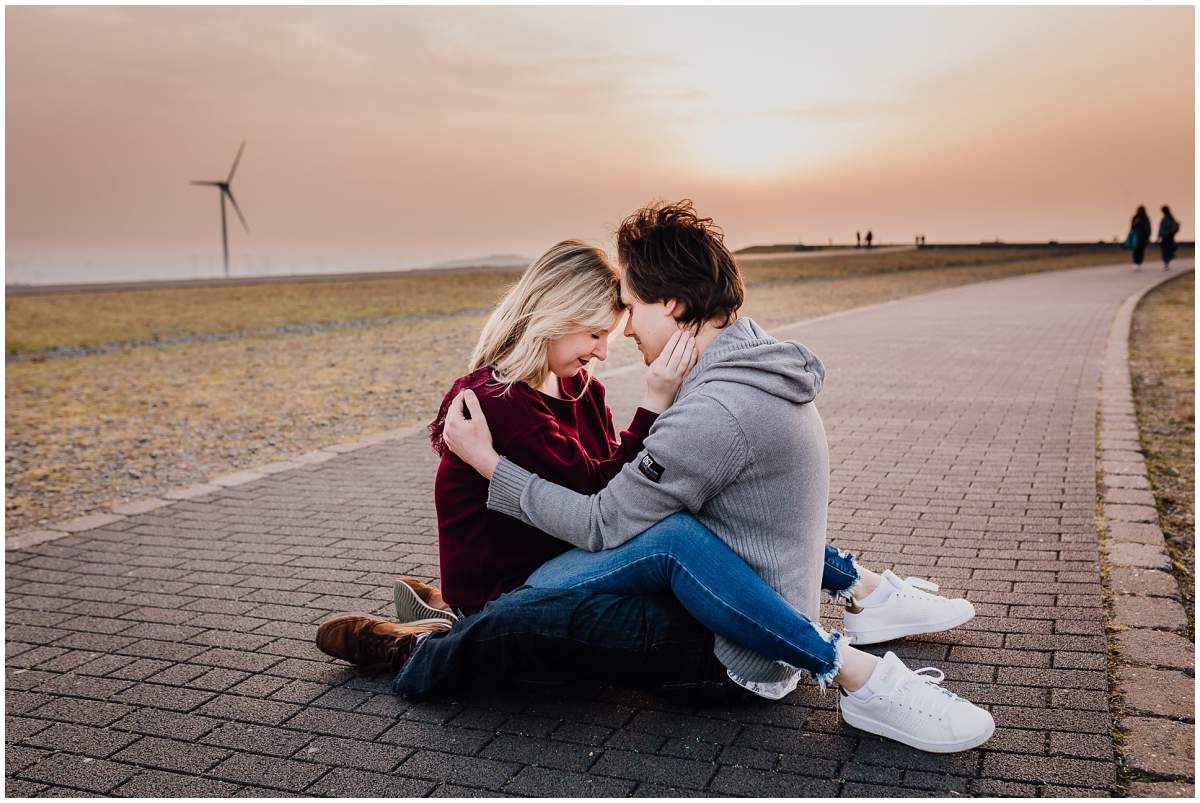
(1160, 747)
(692, 749)
(1058, 771)
(990, 787)
(581, 733)
(230, 659)
(1082, 745)
(1051, 790)
(155, 722)
(1149, 612)
(1162, 789)
(743, 782)
(17, 728)
(867, 790)
(636, 741)
(808, 765)
(1142, 513)
(1126, 532)
(1146, 556)
(654, 769)
(268, 771)
(18, 757)
(1156, 648)
(158, 784)
(354, 753)
(345, 782)
(83, 685)
(338, 723)
(257, 738)
(1161, 692)
(14, 788)
(454, 790)
(747, 757)
(93, 775)
(169, 754)
(248, 709)
(710, 730)
(77, 711)
(172, 698)
(540, 752)
(89, 741)
(1127, 580)
(543, 782)
(480, 772)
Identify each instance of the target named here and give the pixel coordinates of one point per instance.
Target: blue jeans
(541, 634)
(718, 588)
(644, 640)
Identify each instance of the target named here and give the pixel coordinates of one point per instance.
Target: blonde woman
(529, 371)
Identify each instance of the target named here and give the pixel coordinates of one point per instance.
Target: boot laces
(386, 646)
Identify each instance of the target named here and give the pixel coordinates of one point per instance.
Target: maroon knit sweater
(484, 553)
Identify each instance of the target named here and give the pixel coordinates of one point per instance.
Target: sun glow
(757, 147)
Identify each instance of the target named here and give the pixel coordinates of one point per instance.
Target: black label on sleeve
(650, 468)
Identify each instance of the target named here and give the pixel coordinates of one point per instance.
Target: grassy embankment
(86, 431)
(1162, 363)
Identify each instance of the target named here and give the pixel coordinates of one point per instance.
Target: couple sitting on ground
(707, 517)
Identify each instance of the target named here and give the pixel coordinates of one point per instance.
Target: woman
(1139, 236)
(529, 373)
(1168, 227)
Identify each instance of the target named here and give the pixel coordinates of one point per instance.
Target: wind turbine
(225, 191)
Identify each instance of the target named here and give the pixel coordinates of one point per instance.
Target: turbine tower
(225, 191)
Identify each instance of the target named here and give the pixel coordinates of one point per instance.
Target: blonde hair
(571, 287)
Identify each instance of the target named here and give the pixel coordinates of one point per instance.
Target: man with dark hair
(669, 252)
(743, 450)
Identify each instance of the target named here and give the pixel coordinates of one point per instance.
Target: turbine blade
(207, 183)
(236, 159)
(237, 209)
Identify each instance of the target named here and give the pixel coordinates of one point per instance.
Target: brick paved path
(170, 653)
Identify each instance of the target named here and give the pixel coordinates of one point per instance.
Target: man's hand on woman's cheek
(470, 438)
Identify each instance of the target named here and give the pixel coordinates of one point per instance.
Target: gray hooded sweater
(743, 449)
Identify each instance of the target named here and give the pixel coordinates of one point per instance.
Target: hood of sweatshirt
(746, 355)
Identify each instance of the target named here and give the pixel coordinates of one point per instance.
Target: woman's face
(569, 353)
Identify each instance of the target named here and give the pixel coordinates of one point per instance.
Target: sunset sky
(399, 137)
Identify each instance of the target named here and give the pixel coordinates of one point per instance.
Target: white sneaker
(913, 709)
(412, 598)
(900, 608)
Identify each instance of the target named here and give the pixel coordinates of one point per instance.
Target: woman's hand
(666, 373)
(470, 438)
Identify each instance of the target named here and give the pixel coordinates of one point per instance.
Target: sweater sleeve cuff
(643, 419)
(507, 485)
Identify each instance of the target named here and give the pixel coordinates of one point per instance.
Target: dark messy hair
(669, 252)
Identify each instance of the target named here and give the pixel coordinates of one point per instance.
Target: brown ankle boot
(416, 600)
(372, 642)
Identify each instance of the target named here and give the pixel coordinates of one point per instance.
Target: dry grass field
(84, 432)
(1162, 361)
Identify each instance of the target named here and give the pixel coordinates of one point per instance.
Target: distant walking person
(1139, 236)
(870, 237)
(1167, 229)
(858, 239)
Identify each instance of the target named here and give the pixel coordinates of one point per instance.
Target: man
(742, 451)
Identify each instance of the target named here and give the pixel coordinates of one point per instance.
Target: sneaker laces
(914, 692)
(924, 585)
